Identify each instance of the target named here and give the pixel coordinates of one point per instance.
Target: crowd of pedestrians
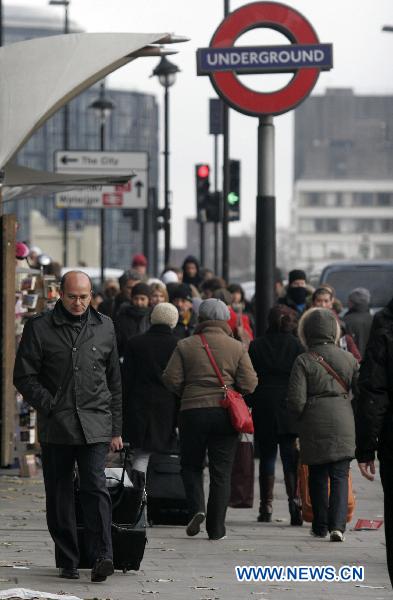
(135, 366)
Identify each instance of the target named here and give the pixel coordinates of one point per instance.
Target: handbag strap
(212, 360)
(330, 370)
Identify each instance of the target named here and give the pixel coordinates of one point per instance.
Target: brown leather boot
(294, 502)
(266, 486)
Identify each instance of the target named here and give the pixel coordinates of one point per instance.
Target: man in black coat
(149, 408)
(67, 368)
(133, 319)
(374, 417)
(358, 319)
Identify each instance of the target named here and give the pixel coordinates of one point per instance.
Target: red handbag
(239, 413)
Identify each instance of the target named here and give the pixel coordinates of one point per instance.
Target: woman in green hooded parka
(319, 397)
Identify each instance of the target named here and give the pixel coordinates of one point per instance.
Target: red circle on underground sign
(287, 21)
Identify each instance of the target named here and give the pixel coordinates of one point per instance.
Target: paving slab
(177, 567)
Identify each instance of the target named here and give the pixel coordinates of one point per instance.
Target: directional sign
(130, 195)
(304, 56)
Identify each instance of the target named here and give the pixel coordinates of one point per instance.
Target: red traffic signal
(203, 171)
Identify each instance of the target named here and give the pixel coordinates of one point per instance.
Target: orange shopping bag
(306, 500)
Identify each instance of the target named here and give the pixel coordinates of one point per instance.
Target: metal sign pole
(225, 186)
(265, 235)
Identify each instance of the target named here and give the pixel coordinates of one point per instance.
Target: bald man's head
(75, 292)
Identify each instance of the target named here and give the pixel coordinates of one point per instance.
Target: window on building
(307, 225)
(386, 225)
(347, 226)
(363, 199)
(384, 199)
(314, 199)
(326, 225)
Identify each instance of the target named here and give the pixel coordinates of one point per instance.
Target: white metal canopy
(22, 182)
(39, 76)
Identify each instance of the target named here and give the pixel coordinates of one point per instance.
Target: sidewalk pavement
(177, 567)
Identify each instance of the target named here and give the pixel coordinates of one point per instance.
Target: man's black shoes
(71, 573)
(103, 567)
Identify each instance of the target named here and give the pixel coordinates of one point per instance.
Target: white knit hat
(165, 314)
(169, 277)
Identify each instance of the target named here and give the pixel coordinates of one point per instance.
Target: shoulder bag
(233, 401)
(330, 370)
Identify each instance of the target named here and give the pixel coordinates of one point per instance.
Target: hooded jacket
(75, 386)
(320, 405)
(131, 320)
(197, 279)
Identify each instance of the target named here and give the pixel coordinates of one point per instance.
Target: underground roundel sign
(305, 57)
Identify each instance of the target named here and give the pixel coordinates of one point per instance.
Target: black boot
(294, 502)
(266, 486)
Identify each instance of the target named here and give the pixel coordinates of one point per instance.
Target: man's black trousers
(58, 464)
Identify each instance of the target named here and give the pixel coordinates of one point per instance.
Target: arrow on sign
(139, 185)
(66, 159)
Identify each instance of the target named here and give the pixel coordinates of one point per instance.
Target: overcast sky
(363, 60)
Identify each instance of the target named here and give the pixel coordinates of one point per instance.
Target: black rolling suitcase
(128, 522)
(166, 498)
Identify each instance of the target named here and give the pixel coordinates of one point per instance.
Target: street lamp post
(166, 73)
(64, 3)
(103, 108)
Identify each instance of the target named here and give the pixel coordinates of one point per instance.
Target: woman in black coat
(149, 409)
(272, 356)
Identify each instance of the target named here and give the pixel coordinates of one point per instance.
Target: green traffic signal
(232, 198)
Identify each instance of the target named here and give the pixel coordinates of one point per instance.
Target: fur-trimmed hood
(318, 326)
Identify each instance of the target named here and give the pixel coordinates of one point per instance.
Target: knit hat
(296, 274)
(182, 291)
(141, 289)
(213, 310)
(360, 296)
(21, 250)
(224, 295)
(139, 260)
(165, 314)
(169, 277)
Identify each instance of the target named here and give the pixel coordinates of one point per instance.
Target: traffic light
(202, 181)
(233, 198)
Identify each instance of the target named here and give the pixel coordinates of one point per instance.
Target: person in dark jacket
(181, 297)
(67, 368)
(110, 293)
(149, 408)
(191, 274)
(112, 306)
(374, 431)
(297, 294)
(272, 356)
(358, 319)
(322, 405)
(133, 319)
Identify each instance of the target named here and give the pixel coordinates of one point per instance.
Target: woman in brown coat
(203, 424)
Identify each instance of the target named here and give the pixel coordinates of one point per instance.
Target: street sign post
(222, 61)
(131, 195)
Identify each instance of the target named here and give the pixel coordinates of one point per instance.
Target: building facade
(343, 189)
(132, 126)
